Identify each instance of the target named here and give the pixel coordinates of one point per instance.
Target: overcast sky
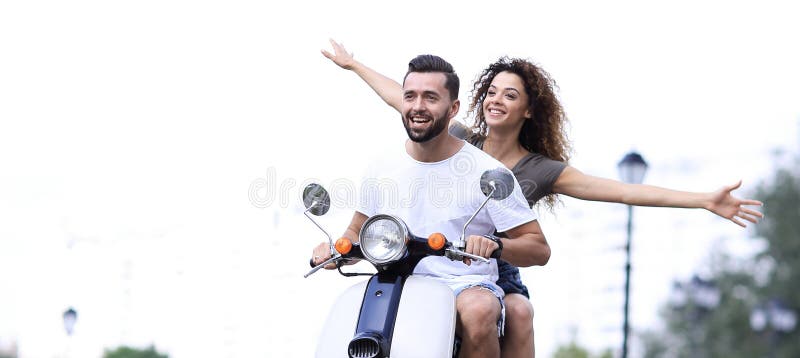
(131, 134)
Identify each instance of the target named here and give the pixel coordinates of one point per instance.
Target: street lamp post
(775, 318)
(70, 317)
(632, 168)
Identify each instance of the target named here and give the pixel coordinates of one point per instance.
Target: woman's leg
(518, 339)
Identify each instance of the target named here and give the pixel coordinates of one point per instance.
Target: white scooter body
(425, 324)
(424, 309)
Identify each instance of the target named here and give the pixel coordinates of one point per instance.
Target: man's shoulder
(481, 159)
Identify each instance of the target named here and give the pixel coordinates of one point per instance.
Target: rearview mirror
(316, 199)
(497, 183)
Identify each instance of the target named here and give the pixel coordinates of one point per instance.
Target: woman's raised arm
(389, 90)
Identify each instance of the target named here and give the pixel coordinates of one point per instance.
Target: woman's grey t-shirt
(535, 173)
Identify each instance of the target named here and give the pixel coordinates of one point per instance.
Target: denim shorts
(509, 279)
(501, 322)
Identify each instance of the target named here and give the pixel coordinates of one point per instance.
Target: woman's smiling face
(506, 103)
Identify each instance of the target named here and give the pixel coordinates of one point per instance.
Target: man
(437, 190)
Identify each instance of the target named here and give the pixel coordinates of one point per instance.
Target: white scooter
(394, 313)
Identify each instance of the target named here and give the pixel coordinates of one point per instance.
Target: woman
(520, 122)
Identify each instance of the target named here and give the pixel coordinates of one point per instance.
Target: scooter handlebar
(316, 268)
(458, 255)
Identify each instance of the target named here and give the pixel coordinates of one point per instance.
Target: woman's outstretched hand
(340, 56)
(732, 208)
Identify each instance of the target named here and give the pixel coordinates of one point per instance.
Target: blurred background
(152, 156)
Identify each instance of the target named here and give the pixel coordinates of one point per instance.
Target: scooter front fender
(426, 320)
(341, 323)
(424, 327)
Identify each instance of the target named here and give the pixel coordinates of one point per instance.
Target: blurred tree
(654, 344)
(128, 352)
(573, 350)
(725, 330)
(781, 228)
(8, 349)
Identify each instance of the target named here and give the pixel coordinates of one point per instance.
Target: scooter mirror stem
(462, 243)
(330, 239)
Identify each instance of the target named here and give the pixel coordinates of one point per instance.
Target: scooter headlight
(383, 239)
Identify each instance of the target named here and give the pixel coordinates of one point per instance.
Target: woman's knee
(519, 311)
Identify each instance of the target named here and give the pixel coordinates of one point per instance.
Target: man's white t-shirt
(441, 197)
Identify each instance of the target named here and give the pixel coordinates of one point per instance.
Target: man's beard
(436, 128)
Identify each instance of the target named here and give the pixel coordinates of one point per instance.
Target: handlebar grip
(311, 262)
(496, 254)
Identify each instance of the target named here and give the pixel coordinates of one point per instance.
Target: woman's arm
(390, 91)
(578, 185)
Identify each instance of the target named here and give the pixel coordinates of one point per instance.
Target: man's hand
(321, 253)
(340, 56)
(479, 246)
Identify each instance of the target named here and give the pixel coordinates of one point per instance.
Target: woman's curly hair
(545, 131)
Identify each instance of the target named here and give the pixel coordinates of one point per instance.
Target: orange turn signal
(436, 241)
(343, 245)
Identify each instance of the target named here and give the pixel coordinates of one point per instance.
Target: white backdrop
(132, 132)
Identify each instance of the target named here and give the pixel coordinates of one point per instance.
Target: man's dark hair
(432, 63)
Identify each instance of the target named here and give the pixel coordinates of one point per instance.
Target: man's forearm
(351, 234)
(526, 250)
